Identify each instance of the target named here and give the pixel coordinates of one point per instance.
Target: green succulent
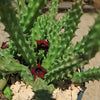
(59, 57)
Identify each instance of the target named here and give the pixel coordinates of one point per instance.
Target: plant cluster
(37, 49)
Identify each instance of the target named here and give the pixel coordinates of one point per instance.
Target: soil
(87, 20)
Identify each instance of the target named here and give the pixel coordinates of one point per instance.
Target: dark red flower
(4, 45)
(42, 44)
(38, 71)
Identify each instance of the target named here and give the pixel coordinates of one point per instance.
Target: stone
(21, 91)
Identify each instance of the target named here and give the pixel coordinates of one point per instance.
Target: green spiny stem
(68, 65)
(37, 32)
(72, 22)
(59, 43)
(21, 7)
(75, 51)
(37, 86)
(42, 29)
(53, 52)
(33, 10)
(53, 10)
(81, 47)
(9, 65)
(12, 48)
(70, 51)
(71, 26)
(15, 31)
(85, 76)
(76, 10)
(26, 76)
(44, 24)
(87, 39)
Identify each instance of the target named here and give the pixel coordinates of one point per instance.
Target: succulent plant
(36, 40)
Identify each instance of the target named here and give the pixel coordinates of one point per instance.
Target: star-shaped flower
(38, 71)
(42, 44)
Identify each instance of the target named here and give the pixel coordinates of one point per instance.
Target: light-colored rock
(2, 27)
(68, 94)
(15, 87)
(21, 91)
(59, 16)
(3, 35)
(86, 21)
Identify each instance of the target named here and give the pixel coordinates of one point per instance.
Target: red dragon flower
(42, 44)
(4, 45)
(38, 71)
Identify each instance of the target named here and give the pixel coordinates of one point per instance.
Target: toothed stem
(45, 24)
(9, 65)
(86, 76)
(63, 67)
(59, 43)
(32, 11)
(15, 31)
